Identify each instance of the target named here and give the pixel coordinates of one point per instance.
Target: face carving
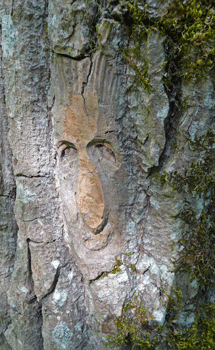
(110, 208)
(89, 170)
(85, 153)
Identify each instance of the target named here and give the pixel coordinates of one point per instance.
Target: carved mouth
(99, 228)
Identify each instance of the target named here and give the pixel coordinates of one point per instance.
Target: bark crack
(31, 176)
(79, 58)
(99, 276)
(54, 283)
(36, 242)
(31, 296)
(172, 85)
(84, 84)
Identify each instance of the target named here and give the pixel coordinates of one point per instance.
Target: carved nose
(90, 197)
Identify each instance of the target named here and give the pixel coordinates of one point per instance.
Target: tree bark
(86, 224)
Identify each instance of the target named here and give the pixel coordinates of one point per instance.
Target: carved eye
(67, 150)
(104, 151)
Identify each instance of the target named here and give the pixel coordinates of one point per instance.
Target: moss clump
(115, 269)
(200, 336)
(189, 28)
(135, 55)
(133, 268)
(136, 332)
(128, 253)
(133, 327)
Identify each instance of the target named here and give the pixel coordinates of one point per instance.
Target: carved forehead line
(97, 75)
(104, 80)
(85, 108)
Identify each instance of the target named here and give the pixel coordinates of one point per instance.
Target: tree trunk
(94, 109)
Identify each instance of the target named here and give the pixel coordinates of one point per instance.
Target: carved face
(107, 139)
(91, 181)
(87, 157)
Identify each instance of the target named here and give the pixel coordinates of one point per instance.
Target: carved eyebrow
(99, 140)
(66, 143)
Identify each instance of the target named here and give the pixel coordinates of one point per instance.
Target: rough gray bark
(77, 172)
(8, 227)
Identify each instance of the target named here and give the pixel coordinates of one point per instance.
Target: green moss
(128, 253)
(196, 263)
(189, 28)
(136, 329)
(197, 244)
(115, 269)
(133, 327)
(200, 336)
(135, 55)
(133, 268)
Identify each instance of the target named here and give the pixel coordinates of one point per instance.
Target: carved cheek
(90, 197)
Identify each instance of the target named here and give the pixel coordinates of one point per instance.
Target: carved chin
(98, 242)
(98, 238)
(92, 239)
